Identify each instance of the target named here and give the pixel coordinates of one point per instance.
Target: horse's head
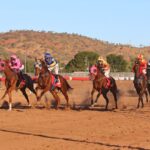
(93, 72)
(43, 66)
(136, 68)
(44, 74)
(37, 66)
(3, 64)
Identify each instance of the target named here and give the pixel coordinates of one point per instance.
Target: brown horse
(12, 81)
(46, 84)
(140, 84)
(100, 84)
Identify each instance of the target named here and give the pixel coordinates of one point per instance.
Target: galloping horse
(12, 81)
(100, 83)
(140, 84)
(46, 83)
(148, 79)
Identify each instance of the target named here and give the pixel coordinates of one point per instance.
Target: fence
(84, 76)
(115, 75)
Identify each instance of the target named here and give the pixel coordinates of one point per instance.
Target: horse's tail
(115, 86)
(65, 83)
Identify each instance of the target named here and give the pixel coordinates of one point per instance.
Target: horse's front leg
(98, 95)
(10, 96)
(54, 93)
(92, 93)
(42, 93)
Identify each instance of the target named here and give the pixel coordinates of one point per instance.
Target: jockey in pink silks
(16, 65)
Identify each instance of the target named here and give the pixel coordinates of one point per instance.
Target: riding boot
(57, 81)
(22, 80)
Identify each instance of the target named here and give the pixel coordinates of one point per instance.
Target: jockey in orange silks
(104, 65)
(16, 65)
(143, 64)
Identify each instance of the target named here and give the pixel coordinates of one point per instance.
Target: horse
(148, 78)
(12, 82)
(100, 84)
(140, 84)
(46, 83)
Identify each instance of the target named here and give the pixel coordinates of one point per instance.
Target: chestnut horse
(45, 82)
(12, 82)
(100, 84)
(140, 84)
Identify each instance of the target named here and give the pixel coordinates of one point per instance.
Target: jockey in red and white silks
(143, 64)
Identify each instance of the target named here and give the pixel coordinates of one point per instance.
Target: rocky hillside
(63, 46)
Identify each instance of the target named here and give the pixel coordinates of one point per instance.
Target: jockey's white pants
(144, 71)
(107, 72)
(55, 69)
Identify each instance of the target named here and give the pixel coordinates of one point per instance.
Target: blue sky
(115, 21)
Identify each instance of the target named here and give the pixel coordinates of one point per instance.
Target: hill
(62, 46)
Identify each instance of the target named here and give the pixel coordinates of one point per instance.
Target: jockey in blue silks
(52, 65)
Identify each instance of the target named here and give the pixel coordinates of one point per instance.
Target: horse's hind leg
(31, 88)
(92, 93)
(25, 95)
(138, 102)
(146, 95)
(106, 98)
(66, 96)
(115, 97)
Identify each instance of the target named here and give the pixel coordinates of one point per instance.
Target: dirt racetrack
(86, 128)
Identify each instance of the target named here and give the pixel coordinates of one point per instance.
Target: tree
(117, 62)
(81, 61)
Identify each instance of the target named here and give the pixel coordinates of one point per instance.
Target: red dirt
(39, 128)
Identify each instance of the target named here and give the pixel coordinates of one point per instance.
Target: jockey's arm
(53, 63)
(22, 67)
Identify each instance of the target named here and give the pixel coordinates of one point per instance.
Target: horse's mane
(7, 64)
(44, 66)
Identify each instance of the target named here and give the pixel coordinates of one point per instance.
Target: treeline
(83, 60)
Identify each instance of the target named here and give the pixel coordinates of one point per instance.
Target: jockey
(16, 65)
(143, 64)
(104, 65)
(52, 64)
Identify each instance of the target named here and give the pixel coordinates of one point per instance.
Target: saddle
(108, 85)
(55, 81)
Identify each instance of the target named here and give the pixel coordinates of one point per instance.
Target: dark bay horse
(46, 84)
(100, 84)
(12, 81)
(140, 84)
